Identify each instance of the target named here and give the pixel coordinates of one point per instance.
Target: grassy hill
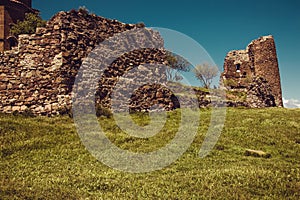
(43, 158)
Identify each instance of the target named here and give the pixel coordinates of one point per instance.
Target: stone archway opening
(12, 41)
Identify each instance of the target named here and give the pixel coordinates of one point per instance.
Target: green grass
(240, 96)
(43, 158)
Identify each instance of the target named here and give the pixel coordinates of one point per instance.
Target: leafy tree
(176, 63)
(29, 25)
(205, 73)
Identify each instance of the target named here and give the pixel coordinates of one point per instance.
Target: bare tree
(205, 73)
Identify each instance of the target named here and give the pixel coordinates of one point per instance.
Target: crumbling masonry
(255, 71)
(38, 75)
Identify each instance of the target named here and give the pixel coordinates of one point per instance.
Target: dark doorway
(12, 41)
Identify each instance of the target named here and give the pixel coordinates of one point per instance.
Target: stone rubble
(39, 74)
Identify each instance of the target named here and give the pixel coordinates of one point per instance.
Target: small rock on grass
(257, 153)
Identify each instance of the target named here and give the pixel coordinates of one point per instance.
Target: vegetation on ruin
(28, 25)
(176, 65)
(43, 158)
(238, 96)
(234, 83)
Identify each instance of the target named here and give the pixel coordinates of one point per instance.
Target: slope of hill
(43, 158)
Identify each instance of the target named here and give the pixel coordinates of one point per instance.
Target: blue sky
(218, 25)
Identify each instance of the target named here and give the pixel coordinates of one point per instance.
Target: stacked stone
(259, 94)
(149, 96)
(242, 67)
(40, 73)
(264, 58)
(137, 58)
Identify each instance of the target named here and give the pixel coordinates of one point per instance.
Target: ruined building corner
(255, 72)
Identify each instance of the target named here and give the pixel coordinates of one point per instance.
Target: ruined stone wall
(264, 58)
(39, 74)
(238, 58)
(242, 67)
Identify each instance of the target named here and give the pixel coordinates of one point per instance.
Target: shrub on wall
(28, 26)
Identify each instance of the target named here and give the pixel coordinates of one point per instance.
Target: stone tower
(259, 59)
(10, 12)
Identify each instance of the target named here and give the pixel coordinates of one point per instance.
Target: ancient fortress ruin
(38, 74)
(255, 71)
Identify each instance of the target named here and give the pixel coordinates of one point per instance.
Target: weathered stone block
(257, 153)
